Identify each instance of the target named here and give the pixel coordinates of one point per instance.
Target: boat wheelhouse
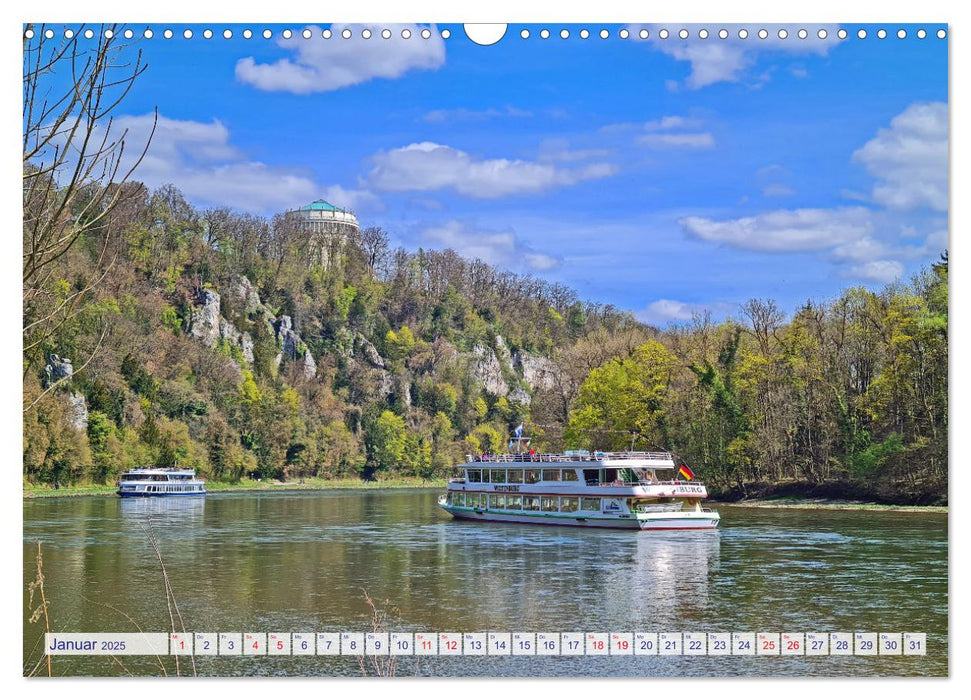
(628, 490)
(153, 481)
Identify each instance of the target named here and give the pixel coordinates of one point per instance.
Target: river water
(298, 561)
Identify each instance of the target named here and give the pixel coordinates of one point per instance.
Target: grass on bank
(312, 484)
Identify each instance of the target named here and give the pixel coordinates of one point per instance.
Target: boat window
(551, 475)
(530, 502)
(569, 475)
(532, 476)
(460, 499)
(498, 502)
(591, 477)
(568, 504)
(474, 475)
(514, 503)
(550, 504)
(515, 476)
(589, 504)
(498, 476)
(485, 476)
(448, 498)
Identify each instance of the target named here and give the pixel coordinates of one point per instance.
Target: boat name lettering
(505, 488)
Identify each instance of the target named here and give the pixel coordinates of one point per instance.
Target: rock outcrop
(537, 371)
(486, 369)
(58, 368)
(77, 412)
(204, 322)
(365, 349)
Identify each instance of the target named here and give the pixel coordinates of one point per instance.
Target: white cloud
(199, 159)
(699, 140)
(716, 60)
(664, 311)
(884, 271)
(500, 248)
(431, 166)
(321, 65)
(910, 159)
(441, 116)
(785, 230)
(671, 132)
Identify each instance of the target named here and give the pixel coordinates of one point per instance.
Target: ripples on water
(298, 561)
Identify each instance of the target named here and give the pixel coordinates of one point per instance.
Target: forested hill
(246, 347)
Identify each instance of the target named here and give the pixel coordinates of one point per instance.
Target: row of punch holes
(426, 33)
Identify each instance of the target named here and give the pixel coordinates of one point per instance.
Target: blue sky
(665, 176)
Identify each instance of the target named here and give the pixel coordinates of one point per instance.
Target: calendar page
(435, 349)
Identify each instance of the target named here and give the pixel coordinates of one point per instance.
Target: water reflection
(295, 561)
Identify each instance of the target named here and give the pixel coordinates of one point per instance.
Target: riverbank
(827, 504)
(43, 491)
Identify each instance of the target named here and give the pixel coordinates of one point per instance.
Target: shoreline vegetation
(311, 484)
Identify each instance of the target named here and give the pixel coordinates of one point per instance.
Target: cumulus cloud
(785, 230)
(500, 248)
(909, 159)
(441, 116)
(431, 166)
(664, 311)
(716, 60)
(199, 159)
(670, 132)
(883, 271)
(321, 65)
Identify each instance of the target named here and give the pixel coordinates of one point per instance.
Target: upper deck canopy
(578, 458)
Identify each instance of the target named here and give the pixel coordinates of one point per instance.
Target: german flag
(685, 472)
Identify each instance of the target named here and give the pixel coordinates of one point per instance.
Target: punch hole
(544, 34)
(446, 33)
(488, 34)
(941, 34)
(623, 34)
(29, 34)
(129, 34)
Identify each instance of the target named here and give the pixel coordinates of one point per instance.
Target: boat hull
(143, 494)
(660, 521)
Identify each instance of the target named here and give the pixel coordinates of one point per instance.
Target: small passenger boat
(159, 481)
(627, 490)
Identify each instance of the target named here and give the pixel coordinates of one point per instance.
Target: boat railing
(642, 482)
(563, 457)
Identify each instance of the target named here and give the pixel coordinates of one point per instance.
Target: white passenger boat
(156, 481)
(628, 490)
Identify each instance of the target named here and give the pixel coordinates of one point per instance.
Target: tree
(74, 169)
(387, 441)
(622, 398)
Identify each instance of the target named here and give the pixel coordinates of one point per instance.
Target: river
(298, 561)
